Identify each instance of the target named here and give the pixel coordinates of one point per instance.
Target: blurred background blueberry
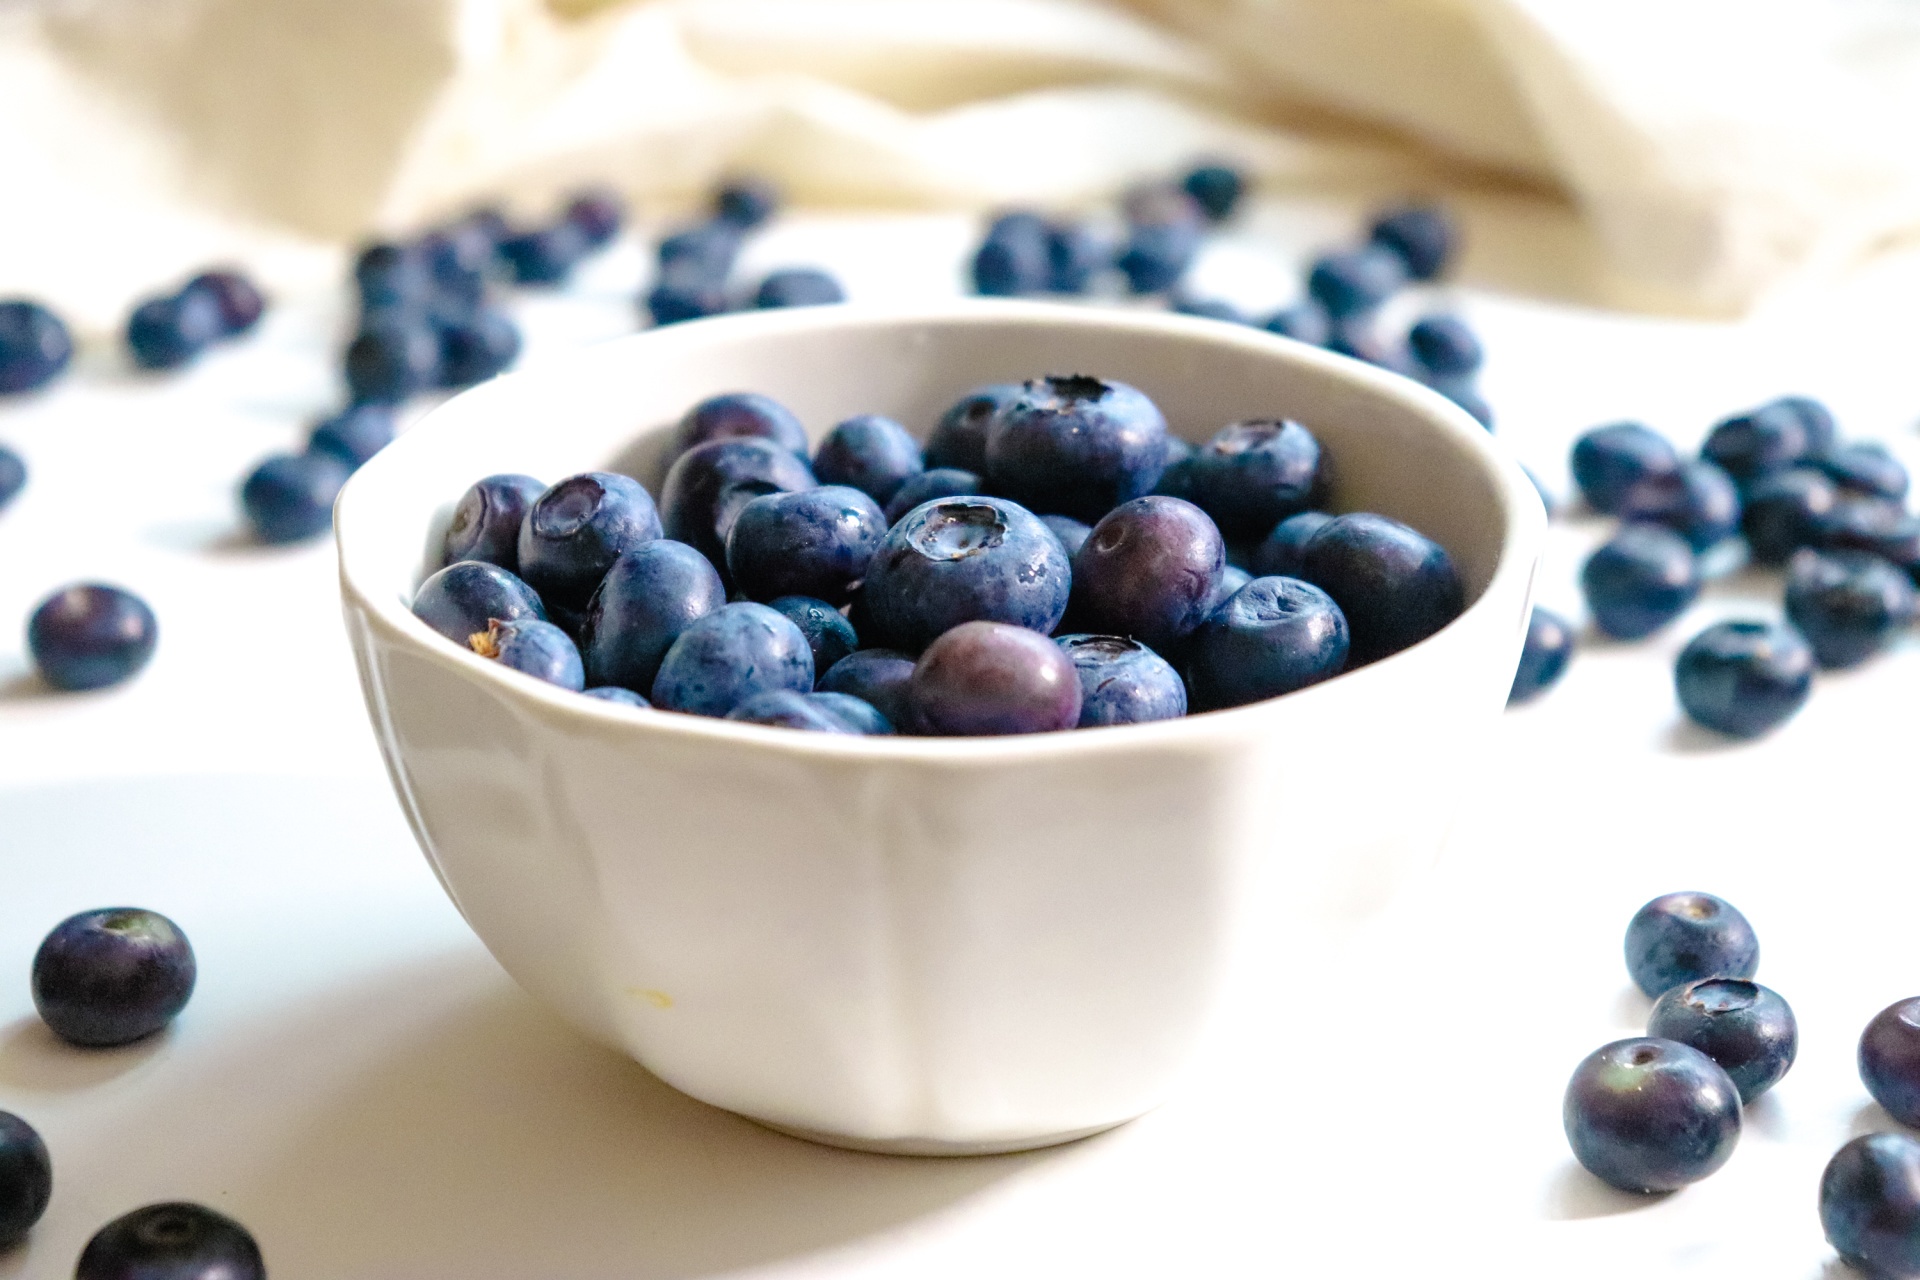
(91, 635)
(288, 497)
(1848, 604)
(1639, 580)
(1744, 678)
(1610, 461)
(1544, 657)
(798, 287)
(26, 1178)
(35, 346)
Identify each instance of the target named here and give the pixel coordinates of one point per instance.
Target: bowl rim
(1522, 516)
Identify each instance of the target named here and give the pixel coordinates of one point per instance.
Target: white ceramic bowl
(924, 945)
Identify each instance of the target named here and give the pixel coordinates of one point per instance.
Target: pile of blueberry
(696, 263)
(884, 587)
(171, 329)
(103, 979)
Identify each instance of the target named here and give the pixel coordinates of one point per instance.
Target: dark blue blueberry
(858, 712)
(1216, 188)
(1272, 636)
(1610, 461)
(13, 476)
(813, 712)
(1232, 578)
(1303, 322)
(165, 333)
(961, 560)
(1444, 346)
(1395, 585)
(1123, 681)
(1744, 678)
(354, 434)
(730, 655)
(1076, 446)
(702, 252)
(992, 678)
(1353, 282)
(709, 484)
(1745, 1027)
(1208, 309)
(1252, 475)
(1012, 260)
(1699, 502)
(89, 636)
(652, 593)
(1422, 236)
(677, 297)
(1358, 337)
(289, 496)
(576, 530)
(1683, 937)
(174, 1241)
(237, 299)
(959, 439)
(739, 415)
(1076, 252)
(940, 482)
(1156, 255)
(1889, 1060)
(1544, 657)
(476, 347)
(1870, 1204)
(1876, 525)
(816, 542)
(798, 287)
(614, 693)
(1865, 466)
(1178, 451)
(486, 524)
(392, 358)
(458, 258)
(1150, 570)
(1773, 437)
(34, 346)
(1848, 604)
(26, 1179)
(1072, 533)
(392, 275)
(1785, 511)
(544, 255)
(597, 213)
(873, 454)
(881, 677)
(1464, 392)
(829, 635)
(461, 599)
(1638, 581)
(1282, 553)
(535, 648)
(746, 202)
(1651, 1115)
(112, 976)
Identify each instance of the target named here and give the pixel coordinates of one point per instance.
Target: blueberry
(1232, 578)
(739, 415)
(1865, 466)
(289, 496)
(26, 1178)
(486, 524)
(1422, 236)
(544, 255)
(34, 346)
(873, 454)
(1076, 446)
(1744, 678)
(89, 636)
(702, 252)
(1358, 337)
(1544, 657)
(816, 542)
(1282, 553)
(1254, 474)
(171, 1242)
(1745, 1027)
(476, 347)
(959, 439)
(829, 635)
(1889, 1060)
(1639, 580)
(1217, 189)
(1149, 570)
(1609, 461)
(679, 296)
(1271, 637)
(709, 484)
(13, 476)
(1162, 204)
(649, 596)
(1848, 604)
(746, 202)
(1303, 322)
(1785, 511)
(1012, 258)
(1076, 252)
(1123, 681)
(112, 976)
(959, 560)
(1876, 525)
(1208, 309)
(1464, 393)
(1651, 1115)
(940, 482)
(798, 287)
(1778, 434)
(1444, 346)
(881, 677)
(391, 275)
(576, 530)
(167, 332)
(858, 712)
(614, 693)
(992, 678)
(237, 299)
(1395, 585)
(1157, 255)
(1870, 1204)
(391, 358)
(354, 434)
(1072, 533)
(1699, 502)
(597, 213)
(1684, 937)
(1354, 282)
(533, 647)
(457, 258)
(814, 712)
(461, 599)
(730, 655)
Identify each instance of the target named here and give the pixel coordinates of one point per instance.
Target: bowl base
(935, 1146)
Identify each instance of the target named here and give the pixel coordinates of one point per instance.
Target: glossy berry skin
(89, 636)
(992, 678)
(1444, 346)
(1865, 467)
(112, 976)
(1252, 475)
(167, 332)
(961, 560)
(475, 347)
(798, 287)
(1848, 604)
(1076, 446)
(597, 213)
(1395, 585)
(812, 712)
(873, 454)
(1072, 533)
(651, 594)
(353, 435)
(739, 415)
(1699, 502)
(1785, 511)
(35, 346)
(174, 1241)
(26, 1178)
(829, 635)
(1012, 259)
(881, 677)
(237, 299)
(1282, 553)
(544, 255)
(940, 482)
(816, 542)
(1651, 1115)
(1639, 580)
(1745, 1027)
(1123, 681)
(391, 358)
(1353, 282)
(1076, 252)
(1610, 461)
(709, 484)
(1870, 1205)
(959, 439)
(1272, 636)
(486, 523)
(1770, 438)
(576, 530)
(1422, 236)
(730, 655)
(289, 497)
(614, 693)
(1684, 937)
(1464, 393)
(1150, 570)
(1216, 188)
(532, 647)
(461, 599)
(1889, 1060)
(13, 476)
(1544, 657)
(1744, 679)
(1303, 322)
(746, 202)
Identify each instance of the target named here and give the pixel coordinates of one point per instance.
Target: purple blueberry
(167, 332)
(34, 346)
(461, 599)
(1422, 236)
(728, 656)
(1395, 585)
(1638, 581)
(1216, 188)
(1254, 474)
(598, 213)
(1072, 533)
(651, 594)
(1303, 322)
(814, 712)
(1745, 1027)
(486, 523)
(289, 497)
(544, 255)
(1744, 678)
(873, 454)
(1076, 446)
(89, 636)
(1651, 1115)
(816, 542)
(940, 482)
(961, 560)
(881, 677)
(1544, 657)
(1123, 681)
(1150, 570)
(1282, 553)
(829, 635)
(26, 1179)
(1848, 604)
(1770, 438)
(576, 530)
(1683, 937)
(1866, 467)
(1610, 461)
(532, 647)
(709, 484)
(1870, 1205)
(992, 678)
(1785, 511)
(959, 439)
(1272, 636)
(746, 202)
(237, 299)
(614, 693)
(1012, 260)
(1353, 282)
(1699, 502)
(739, 415)
(798, 287)
(476, 346)
(391, 358)
(1889, 1060)
(175, 1241)
(112, 976)
(1445, 347)
(354, 434)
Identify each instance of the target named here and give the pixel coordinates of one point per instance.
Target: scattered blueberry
(1164, 233)
(1465, 394)
(873, 454)
(798, 287)
(1744, 678)
(739, 415)
(461, 599)
(651, 594)
(167, 332)
(813, 712)
(958, 560)
(576, 530)
(1076, 446)
(959, 439)
(1208, 309)
(816, 542)
(829, 635)
(1870, 1204)
(237, 299)
(1217, 188)
(1271, 637)
(544, 255)
(112, 976)
(89, 636)
(746, 202)
(1282, 553)
(1303, 322)
(1848, 604)
(457, 258)
(703, 252)
(1395, 585)
(1072, 533)
(1254, 474)
(533, 647)
(1123, 681)
(1012, 259)
(34, 346)
(26, 1179)
(730, 655)
(708, 485)
(1785, 511)
(1610, 461)
(880, 677)
(1745, 1027)
(391, 275)
(992, 678)
(476, 347)
(940, 482)
(1149, 570)
(289, 496)
(1878, 525)
(1444, 346)
(1353, 282)
(598, 214)
(486, 523)
(171, 1242)
(614, 693)
(391, 358)
(1639, 580)
(1865, 466)
(1422, 236)
(1683, 937)
(1651, 1115)
(1544, 658)
(355, 434)
(13, 476)
(1777, 435)
(1076, 252)
(1699, 502)
(681, 295)
(1889, 1060)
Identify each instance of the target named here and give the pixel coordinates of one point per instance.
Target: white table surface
(360, 1084)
